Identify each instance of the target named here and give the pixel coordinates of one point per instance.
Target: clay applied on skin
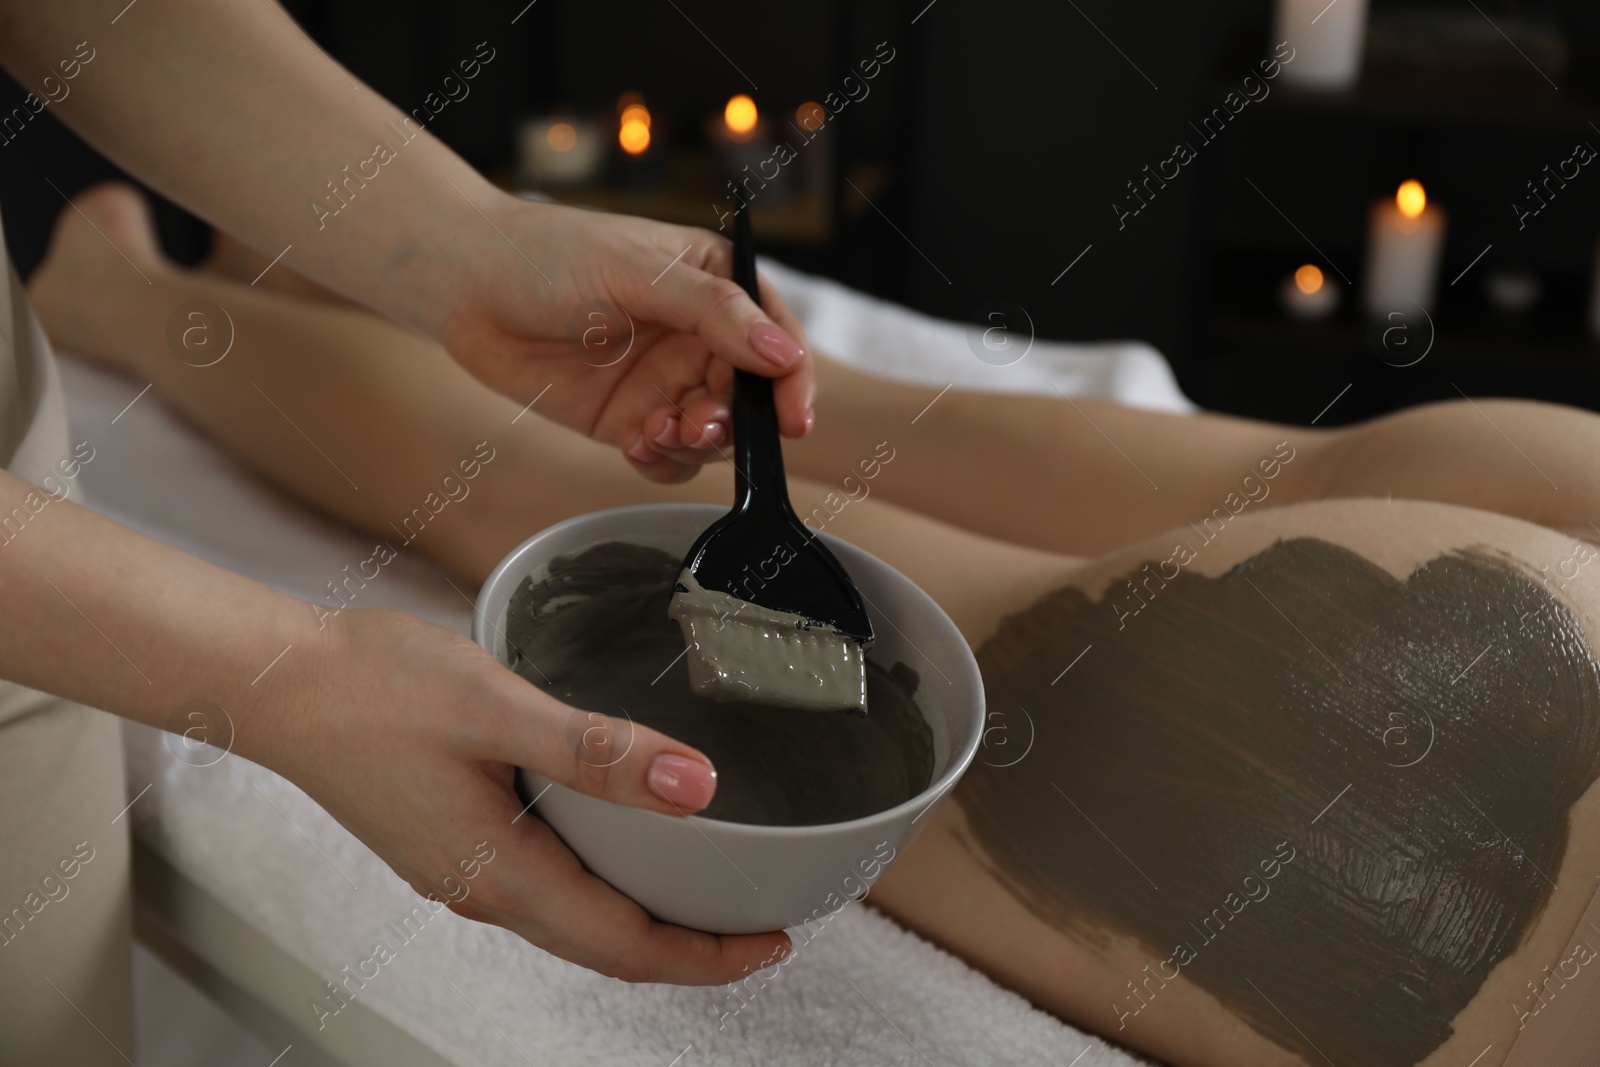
(597, 630)
(1373, 740)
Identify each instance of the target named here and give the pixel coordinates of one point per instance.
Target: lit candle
(633, 129)
(560, 151)
(1309, 294)
(640, 166)
(1407, 235)
(747, 152)
(1327, 38)
(740, 116)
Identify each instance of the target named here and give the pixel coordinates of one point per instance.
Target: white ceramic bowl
(729, 877)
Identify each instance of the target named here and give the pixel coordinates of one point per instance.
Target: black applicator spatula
(771, 617)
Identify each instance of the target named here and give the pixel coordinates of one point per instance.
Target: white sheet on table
(897, 342)
(910, 1002)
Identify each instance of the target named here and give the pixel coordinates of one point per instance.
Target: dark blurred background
(988, 153)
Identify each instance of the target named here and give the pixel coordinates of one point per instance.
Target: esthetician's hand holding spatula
(608, 285)
(508, 285)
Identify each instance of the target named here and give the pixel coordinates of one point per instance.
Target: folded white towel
(865, 992)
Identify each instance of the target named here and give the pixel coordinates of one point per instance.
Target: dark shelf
(1275, 367)
(1445, 98)
(1475, 125)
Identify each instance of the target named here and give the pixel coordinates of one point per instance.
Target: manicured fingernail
(642, 452)
(811, 420)
(712, 434)
(682, 781)
(774, 344)
(668, 438)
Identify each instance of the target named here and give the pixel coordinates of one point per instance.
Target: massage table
(262, 899)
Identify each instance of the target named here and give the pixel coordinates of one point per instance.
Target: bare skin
(418, 416)
(182, 100)
(974, 460)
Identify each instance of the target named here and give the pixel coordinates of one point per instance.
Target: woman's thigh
(1321, 789)
(1086, 475)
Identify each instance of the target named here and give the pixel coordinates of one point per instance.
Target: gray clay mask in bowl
(811, 808)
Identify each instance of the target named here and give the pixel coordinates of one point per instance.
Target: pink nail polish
(774, 344)
(643, 452)
(668, 438)
(684, 782)
(713, 434)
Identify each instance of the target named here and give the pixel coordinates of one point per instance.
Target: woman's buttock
(1337, 803)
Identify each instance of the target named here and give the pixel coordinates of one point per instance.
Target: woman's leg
(353, 414)
(350, 413)
(1085, 476)
(1080, 476)
(1302, 762)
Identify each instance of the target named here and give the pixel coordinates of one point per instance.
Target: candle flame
(634, 135)
(633, 130)
(561, 136)
(1411, 198)
(810, 116)
(1308, 279)
(740, 115)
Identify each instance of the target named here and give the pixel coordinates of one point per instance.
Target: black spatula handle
(758, 449)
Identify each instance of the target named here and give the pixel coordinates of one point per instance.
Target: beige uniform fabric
(65, 941)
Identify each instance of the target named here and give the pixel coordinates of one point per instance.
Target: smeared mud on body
(595, 634)
(1217, 729)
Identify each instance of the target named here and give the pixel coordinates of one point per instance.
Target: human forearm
(230, 110)
(102, 615)
(404, 732)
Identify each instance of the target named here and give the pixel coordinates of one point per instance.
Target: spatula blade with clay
(769, 614)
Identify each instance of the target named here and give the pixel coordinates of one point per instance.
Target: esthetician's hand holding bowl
(418, 763)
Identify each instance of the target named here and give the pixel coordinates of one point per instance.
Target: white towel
(865, 992)
(896, 342)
